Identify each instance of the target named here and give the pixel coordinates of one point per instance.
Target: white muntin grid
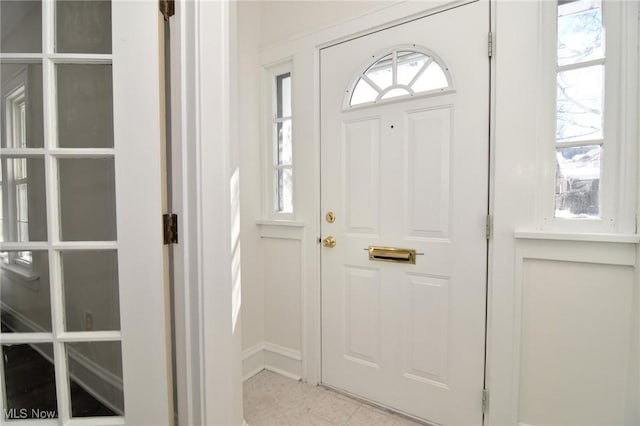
(54, 246)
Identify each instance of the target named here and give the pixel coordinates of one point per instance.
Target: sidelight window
(580, 142)
(588, 99)
(284, 149)
(280, 161)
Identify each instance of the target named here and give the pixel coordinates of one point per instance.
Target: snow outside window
(588, 106)
(580, 100)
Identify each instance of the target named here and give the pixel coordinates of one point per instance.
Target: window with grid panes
(58, 214)
(282, 145)
(580, 101)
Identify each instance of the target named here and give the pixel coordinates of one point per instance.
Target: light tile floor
(274, 400)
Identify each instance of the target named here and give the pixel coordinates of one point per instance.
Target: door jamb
(208, 355)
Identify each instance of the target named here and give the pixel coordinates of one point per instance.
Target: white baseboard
(281, 360)
(252, 361)
(100, 383)
(283, 351)
(282, 372)
(22, 323)
(269, 356)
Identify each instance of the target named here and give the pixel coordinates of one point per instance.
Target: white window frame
(14, 98)
(361, 74)
(618, 168)
(270, 145)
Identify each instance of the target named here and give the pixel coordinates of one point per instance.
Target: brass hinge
(485, 400)
(490, 44)
(167, 8)
(489, 226)
(170, 228)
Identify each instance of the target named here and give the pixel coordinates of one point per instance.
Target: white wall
(273, 268)
(561, 311)
(249, 145)
(282, 20)
(576, 329)
(282, 298)
(26, 303)
(563, 315)
(21, 26)
(282, 292)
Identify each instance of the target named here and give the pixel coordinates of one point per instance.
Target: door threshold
(378, 405)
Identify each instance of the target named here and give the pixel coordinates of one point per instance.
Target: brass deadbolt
(331, 217)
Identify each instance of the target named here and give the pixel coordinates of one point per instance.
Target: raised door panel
(362, 320)
(427, 336)
(429, 137)
(361, 141)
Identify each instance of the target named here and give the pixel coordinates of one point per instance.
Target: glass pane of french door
(59, 288)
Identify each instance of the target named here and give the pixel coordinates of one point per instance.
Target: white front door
(82, 283)
(404, 141)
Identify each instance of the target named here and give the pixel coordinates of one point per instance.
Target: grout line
(354, 412)
(394, 416)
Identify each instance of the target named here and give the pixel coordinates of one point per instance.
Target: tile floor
(274, 400)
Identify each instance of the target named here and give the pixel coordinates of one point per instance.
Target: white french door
(82, 274)
(404, 122)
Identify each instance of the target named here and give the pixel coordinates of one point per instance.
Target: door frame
(203, 136)
(304, 52)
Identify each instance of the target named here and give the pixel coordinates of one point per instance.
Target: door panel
(429, 139)
(82, 285)
(410, 173)
(361, 145)
(427, 330)
(361, 322)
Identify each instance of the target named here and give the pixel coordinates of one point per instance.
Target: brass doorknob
(329, 242)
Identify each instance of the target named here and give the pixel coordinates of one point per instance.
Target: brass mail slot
(392, 254)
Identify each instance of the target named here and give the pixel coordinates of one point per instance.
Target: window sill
(24, 274)
(284, 229)
(587, 237)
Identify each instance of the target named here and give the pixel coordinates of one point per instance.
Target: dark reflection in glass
(83, 26)
(21, 105)
(21, 26)
(90, 280)
(25, 291)
(85, 106)
(87, 199)
(23, 212)
(85, 360)
(30, 382)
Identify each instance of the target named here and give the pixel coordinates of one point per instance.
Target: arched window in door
(403, 71)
